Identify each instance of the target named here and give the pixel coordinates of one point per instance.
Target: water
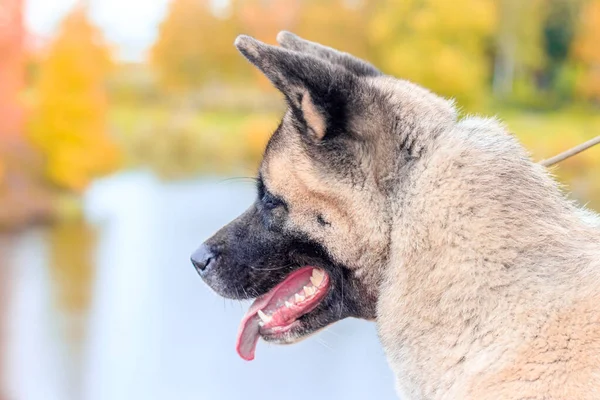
(112, 309)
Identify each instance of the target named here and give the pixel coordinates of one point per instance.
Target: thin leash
(571, 152)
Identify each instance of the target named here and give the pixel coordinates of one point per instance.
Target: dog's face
(313, 245)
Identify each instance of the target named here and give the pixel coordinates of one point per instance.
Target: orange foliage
(12, 33)
(587, 51)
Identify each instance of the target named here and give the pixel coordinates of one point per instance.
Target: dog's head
(313, 245)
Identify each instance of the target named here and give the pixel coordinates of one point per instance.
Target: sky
(131, 25)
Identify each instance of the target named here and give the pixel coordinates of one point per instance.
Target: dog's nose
(202, 258)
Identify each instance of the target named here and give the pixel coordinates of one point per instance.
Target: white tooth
(264, 317)
(317, 277)
(309, 290)
(288, 304)
(299, 298)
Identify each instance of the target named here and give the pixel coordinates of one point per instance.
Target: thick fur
(483, 277)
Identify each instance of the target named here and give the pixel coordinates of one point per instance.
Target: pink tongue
(249, 331)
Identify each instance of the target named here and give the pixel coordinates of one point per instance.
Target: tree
(69, 121)
(519, 46)
(12, 33)
(559, 29)
(586, 52)
(194, 46)
(438, 43)
(561, 21)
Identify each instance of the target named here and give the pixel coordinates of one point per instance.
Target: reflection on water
(111, 309)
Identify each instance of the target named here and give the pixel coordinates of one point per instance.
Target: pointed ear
(353, 64)
(317, 91)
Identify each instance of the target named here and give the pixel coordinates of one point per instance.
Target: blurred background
(128, 130)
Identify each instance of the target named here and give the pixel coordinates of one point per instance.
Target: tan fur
(490, 296)
(462, 314)
(313, 118)
(486, 277)
(292, 176)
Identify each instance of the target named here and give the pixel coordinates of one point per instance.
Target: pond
(111, 309)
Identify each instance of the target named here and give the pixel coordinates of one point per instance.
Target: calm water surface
(111, 309)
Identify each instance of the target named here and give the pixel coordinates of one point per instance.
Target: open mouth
(278, 311)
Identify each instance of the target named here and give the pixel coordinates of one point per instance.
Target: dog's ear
(316, 90)
(353, 64)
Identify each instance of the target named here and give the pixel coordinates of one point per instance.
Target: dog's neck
(483, 197)
(478, 230)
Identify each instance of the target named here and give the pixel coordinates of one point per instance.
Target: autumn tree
(12, 33)
(195, 45)
(69, 122)
(519, 45)
(11, 77)
(559, 28)
(335, 23)
(438, 43)
(587, 52)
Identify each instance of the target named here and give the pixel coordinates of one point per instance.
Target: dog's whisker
(247, 179)
(324, 344)
(342, 300)
(270, 269)
(332, 332)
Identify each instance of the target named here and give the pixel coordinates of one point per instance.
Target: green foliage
(559, 28)
(69, 118)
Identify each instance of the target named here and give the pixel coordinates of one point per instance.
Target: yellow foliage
(69, 121)
(194, 46)
(334, 23)
(257, 131)
(547, 135)
(587, 51)
(520, 31)
(440, 44)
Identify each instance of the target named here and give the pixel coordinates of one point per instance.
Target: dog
(376, 200)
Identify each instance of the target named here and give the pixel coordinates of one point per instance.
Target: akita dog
(376, 201)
